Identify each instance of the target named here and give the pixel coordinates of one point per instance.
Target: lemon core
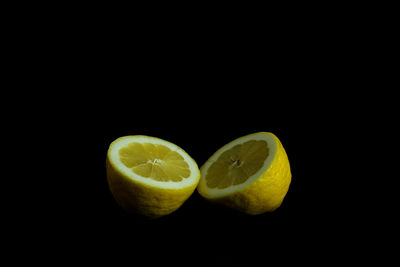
(237, 164)
(154, 161)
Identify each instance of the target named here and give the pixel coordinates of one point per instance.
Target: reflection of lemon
(150, 176)
(250, 174)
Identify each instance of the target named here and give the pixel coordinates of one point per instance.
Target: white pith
(216, 192)
(114, 157)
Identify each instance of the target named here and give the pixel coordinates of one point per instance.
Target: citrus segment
(157, 162)
(237, 164)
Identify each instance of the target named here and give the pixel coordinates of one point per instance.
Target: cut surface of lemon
(250, 174)
(150, 176)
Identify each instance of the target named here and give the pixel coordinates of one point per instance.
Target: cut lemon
(250, 174)
(150, 176)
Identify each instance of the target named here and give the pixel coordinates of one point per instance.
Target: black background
(300, 81)
(198, 226)
(200, 117)
(199, 104)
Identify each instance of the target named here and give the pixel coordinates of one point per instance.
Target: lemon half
(150, 176)
(250, 174)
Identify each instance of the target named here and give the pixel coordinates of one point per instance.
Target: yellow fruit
(150, 176)
(250, 174)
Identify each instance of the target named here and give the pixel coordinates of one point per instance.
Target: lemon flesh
(237, 164)
(150, 176)
(250, 174)
(155, 161)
